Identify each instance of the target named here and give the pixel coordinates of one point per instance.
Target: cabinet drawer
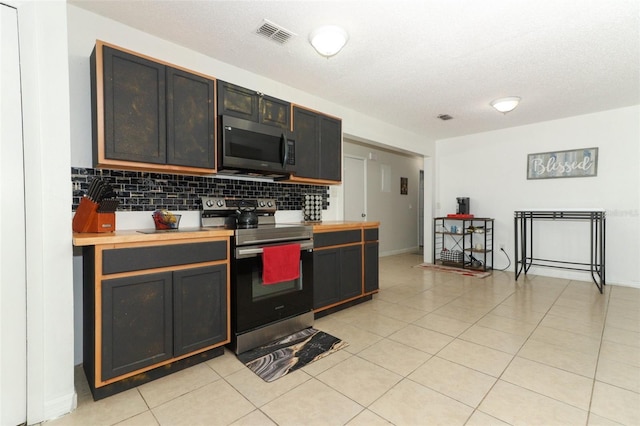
(371, 234)
(140, 258)
(326, 239)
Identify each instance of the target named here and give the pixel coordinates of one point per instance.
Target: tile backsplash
(146, 191)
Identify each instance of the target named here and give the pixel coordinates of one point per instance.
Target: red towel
(280, 263)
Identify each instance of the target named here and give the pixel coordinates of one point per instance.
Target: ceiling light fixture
(328, 40)
(505, 105)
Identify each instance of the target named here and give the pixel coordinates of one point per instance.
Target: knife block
(87, 218)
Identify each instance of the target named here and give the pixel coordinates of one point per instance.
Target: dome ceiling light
(328, 40)
(505, 105)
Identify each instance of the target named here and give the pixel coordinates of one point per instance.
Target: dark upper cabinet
(150, 113)
(318, 145)
(251, 105)
(191, 119)
(134, 108)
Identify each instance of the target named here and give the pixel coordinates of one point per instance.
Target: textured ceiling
(407, 61)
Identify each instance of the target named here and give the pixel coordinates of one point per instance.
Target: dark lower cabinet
(337, 275)
(147, 319)
(200, 308)
(137, 323)
(371, 266)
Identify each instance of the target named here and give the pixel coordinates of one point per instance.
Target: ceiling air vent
(274, 32)
(445, 117)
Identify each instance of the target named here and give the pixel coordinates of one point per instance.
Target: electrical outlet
(501, 246)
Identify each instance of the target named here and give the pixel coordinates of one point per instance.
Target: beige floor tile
(558, 384)
(461, 313)
(478, 418)
(409, 403)
(505, 342)
(400, 359)
(143, 419)
(620, 353)
(445, 325)
(398, 312)
(381, 325)
(312, 403)
(259, 392)
(566, 339)
(397, 293)
(595, 420)
(614, 403)
(454, 380)
(622, 320)
(622, 336)
(520, 313)
(368, 418)
(508, 325)
(588, 315)
(560, 357)
(419, 338)
(107, 411)
(592, 329)
(481, 358)
(216, 400)
(357, 338)
(518, 406)
(360, 380)
(325, 363)
(618, 374)
(427, 301)
(255, 418)
(172, 386)
(225, 364)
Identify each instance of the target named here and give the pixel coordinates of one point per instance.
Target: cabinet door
(371, 267)
(200, 308)
(350, 271)
(330, 148)
(307, 133)
(134, 108)
(237, 101)
(190, 120)
(137, 323)
(326, 284)
(275, 112)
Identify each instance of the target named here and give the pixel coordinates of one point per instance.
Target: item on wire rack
(451, 256)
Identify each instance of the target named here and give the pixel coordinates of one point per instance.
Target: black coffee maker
(463, 205)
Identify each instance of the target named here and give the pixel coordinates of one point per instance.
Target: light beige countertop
(147, 235)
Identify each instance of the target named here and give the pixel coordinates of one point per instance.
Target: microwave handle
(284, 150)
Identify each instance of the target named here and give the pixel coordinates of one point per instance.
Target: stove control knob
(220, 203)
(261, 203)
(209, 203)
(269, 204)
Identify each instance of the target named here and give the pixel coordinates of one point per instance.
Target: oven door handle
(244, 252)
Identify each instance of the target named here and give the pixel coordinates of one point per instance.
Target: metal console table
(523, 223)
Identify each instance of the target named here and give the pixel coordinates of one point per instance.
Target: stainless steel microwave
(253, 147)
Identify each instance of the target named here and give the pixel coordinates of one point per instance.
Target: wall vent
(274, 32)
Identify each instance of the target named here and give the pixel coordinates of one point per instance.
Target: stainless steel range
(262, 312)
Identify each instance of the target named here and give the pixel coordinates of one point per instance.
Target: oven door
(256, 304)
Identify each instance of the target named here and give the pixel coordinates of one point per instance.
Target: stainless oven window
(261, 291)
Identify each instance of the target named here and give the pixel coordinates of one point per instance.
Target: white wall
(490, 168)
(397, 214)
(49, 297)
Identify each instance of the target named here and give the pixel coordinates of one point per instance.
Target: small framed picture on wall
(404, 185)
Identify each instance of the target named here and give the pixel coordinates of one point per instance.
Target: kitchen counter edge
(340, 225)
(146, 235)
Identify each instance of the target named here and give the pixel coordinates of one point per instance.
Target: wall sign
(581, 162)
